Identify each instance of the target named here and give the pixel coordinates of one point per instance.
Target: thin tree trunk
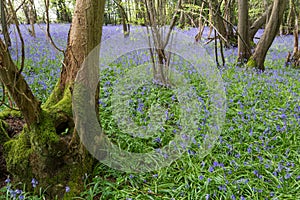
(243, 40)
(290, 18)
(32, 17)
(217, 19)
(4, 24)
(18, 88)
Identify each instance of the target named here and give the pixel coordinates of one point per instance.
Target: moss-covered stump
(49, 153)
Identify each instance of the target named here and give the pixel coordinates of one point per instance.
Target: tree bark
(4, 24)
(84, 35)
(17, 87)
(51, 151)
(32, 17)
(244, 51)
(217, 19)
(258, 58)
(290, 18)
(220, 24)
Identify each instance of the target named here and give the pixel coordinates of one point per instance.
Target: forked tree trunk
(258, 23)
(51, 151)
(258, 58)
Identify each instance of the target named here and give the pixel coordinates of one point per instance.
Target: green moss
(3, 133)
(54, 97)
(17, 154)
(8, 112)
(65, 103)
(43, 135)
(44, 154)
(251, 63)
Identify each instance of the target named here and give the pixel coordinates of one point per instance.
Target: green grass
(257, 155)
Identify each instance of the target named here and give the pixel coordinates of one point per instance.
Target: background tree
(4, 24)
(156, 20)
(244, 51)
(258, 58)
(62, 11)
(41, 150)
(294, 57)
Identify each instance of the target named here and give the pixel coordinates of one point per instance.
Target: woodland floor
(15, 127)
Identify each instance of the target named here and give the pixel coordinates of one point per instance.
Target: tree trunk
(156, 19)
(220, 24)
(17, 87)
(124, 18)
(32, 17)
(229, 16)
(244, 51)
(51, 151)
(294, 58)
(217, 18)
(4, 24)
(258, 58)
(257, 24)
(290, 18)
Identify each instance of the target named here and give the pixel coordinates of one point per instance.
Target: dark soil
(15, 126)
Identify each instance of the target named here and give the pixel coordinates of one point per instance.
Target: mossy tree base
(251, 63)
(50, 152)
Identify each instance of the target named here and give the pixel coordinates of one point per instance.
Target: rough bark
(51, 150)
(84, 35)
(293, 59)
(243, 40)
(258, 58)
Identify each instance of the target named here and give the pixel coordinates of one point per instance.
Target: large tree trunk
(50, 151)
(244, 51)
(258, 58)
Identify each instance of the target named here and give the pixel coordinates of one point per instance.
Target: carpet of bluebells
(258, 152)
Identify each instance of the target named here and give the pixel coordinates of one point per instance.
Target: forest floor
(256, 155)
